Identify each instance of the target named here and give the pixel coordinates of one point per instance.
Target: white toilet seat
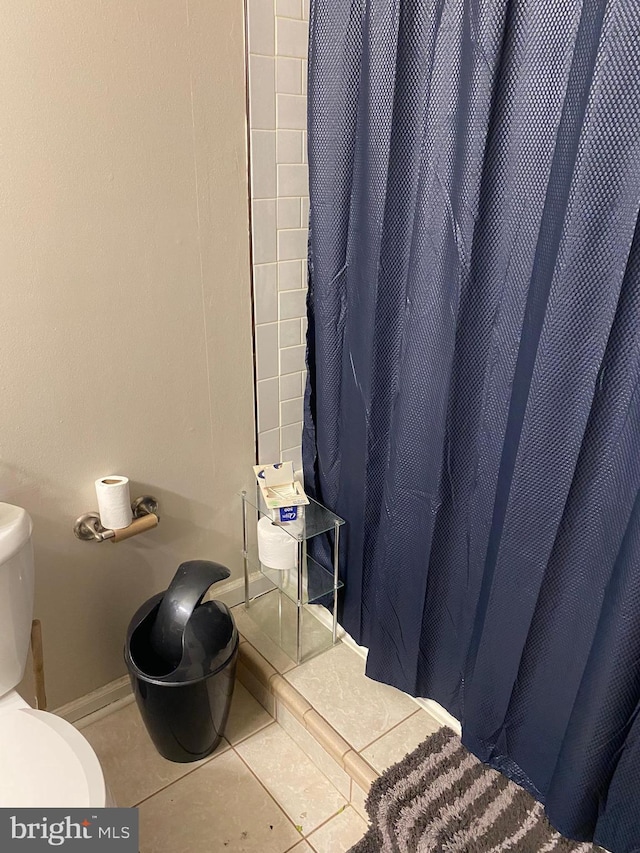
(46, 762)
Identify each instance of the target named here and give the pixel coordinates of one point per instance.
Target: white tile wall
(293, 179)
(289, 75)
(292, 37)
(267, 351)
(268, 399)
(292, 454)
(261, 27)
(292, 302)
(289, 213)
(264, 231)
(277, 38)
(289, 8)
(292, 359)
(290, 411)
(262, 96)
(290, 332)
(291, 385)
(291, 112)
(269, 444)
(291, 435)
(292, 242)
(290, 145)
(265, 293)
(263, 153)
(291, 275)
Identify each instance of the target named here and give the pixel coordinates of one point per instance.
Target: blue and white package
(286, 513)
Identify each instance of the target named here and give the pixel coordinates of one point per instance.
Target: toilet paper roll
(114, 502)
(293, 528)
(277, 549)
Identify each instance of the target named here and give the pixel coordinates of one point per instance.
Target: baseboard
(231, 593)
(96, 700)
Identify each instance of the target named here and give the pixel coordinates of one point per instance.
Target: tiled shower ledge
(351, 727)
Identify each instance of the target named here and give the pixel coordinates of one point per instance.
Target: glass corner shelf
(304, 584)
(317, 582)
(317, 518)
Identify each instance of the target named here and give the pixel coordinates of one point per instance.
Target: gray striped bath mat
(441, 798)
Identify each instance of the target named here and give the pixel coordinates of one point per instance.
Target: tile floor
(359, 709)
(269, 787)
(378, 721)
(259, 793)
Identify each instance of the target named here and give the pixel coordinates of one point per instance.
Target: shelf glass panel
(317, 518)
(317, 582)
(276, 615)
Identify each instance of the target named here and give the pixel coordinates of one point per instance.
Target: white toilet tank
(16, 594)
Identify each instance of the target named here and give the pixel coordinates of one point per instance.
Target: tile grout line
(204, 761)
(388, 731)
(229, 748)
(271, 797)
(324, 823)
(337, 812)
(258, 730)
(268, 676)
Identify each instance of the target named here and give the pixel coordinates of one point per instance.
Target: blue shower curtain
(473, 407)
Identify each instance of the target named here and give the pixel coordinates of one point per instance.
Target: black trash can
(181, 655)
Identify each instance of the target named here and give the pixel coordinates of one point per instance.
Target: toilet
(44, 761)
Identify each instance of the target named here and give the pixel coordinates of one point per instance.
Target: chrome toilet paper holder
(88, 527)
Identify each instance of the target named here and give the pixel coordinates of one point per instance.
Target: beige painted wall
(125, 319)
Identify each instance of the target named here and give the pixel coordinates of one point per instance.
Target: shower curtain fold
(472, 407)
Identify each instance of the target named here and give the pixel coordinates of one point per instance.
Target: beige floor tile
(264, 644)
(220, 808)
(339, 834)
(357, 707)
(274, 627)
(323, 761)
(406, 736)
(246, 716)
(303, 847)
(257, 689)
(132, 766)
(358, 800)
(294, 781)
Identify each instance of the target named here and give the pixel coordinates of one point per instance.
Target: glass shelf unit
(317, 518)
(317, 582)
(286, 616)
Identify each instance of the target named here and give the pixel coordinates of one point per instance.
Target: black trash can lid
(176, 639)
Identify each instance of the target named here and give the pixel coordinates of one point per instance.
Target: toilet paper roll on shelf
(277, 549)
(114, 502)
